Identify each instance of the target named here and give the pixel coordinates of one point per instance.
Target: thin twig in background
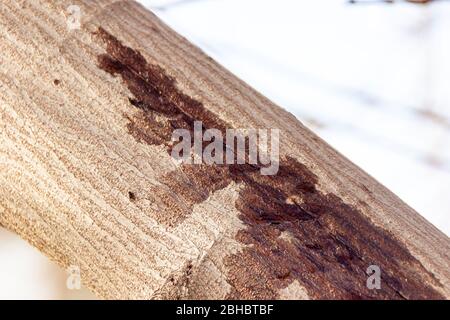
(391, 1)
(175, 3)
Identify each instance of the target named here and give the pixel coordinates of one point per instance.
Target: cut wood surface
(86, 118)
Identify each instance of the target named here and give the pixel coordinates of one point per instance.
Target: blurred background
(370, 77)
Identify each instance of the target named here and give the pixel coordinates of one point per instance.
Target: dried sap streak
(329, 244)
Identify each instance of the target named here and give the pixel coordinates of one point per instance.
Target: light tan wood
(68, 162)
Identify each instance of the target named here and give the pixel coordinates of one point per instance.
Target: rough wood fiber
(86, 177)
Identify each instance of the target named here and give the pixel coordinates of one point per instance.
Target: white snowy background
(372, 79)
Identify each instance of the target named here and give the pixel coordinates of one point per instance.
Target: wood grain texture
(79, 184)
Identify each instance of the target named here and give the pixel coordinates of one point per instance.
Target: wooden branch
(86, 119)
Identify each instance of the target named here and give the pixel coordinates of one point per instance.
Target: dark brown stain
(131, 196)
(56, 82)
(329, 244)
